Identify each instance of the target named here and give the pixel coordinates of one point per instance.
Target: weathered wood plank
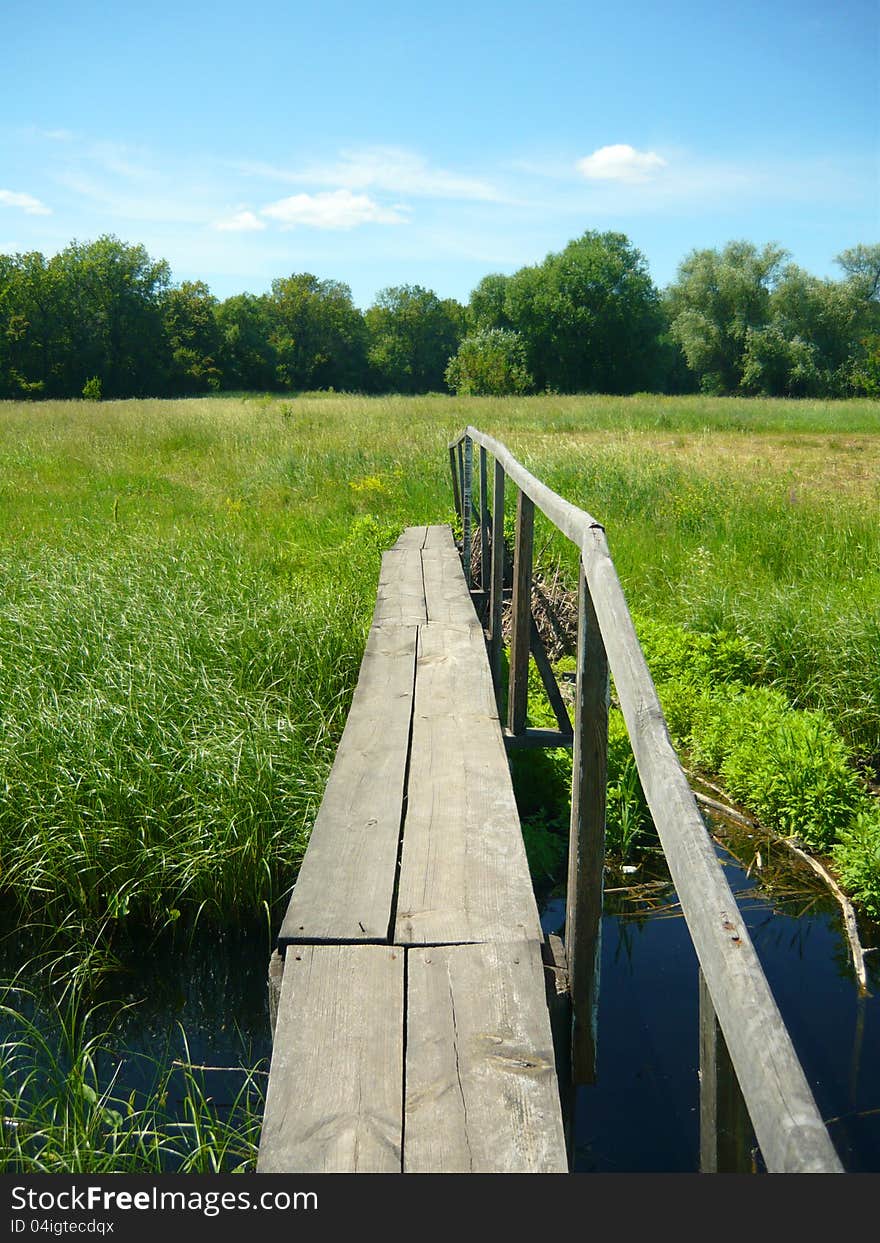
(451, 673)
(345, 887)
(537, 739)
(447, 598)
(464, 874)
(481, 1088)
(400, 597)
(335, 1097)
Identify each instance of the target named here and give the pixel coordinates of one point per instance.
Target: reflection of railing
(737, 1010)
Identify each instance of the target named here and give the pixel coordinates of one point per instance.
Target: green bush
(490, 363)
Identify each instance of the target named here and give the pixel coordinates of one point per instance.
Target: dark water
(643, 1114)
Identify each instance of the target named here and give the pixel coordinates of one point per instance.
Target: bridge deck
(412, 1031)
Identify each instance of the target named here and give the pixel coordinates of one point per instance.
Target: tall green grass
(63, 1107)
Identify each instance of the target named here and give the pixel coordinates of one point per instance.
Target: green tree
(806, 346)
(110, 309)
(247, 357)
(412, 336)
(486, 306)
(30, 314)
(491, 362)
(318, 334)
(193, 337)
(718, 299)
(861, 266)
(590, 316)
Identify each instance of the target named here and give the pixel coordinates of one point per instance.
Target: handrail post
(586, 851)
(484, 524)
(521, 616)
(456, 490)
(496, 585)
(467, 501)
(726, 1136)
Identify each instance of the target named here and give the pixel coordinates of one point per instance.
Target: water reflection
(643, 1113)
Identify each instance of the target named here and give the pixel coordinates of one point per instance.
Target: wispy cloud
(240, 222)
(24, 202)
(331, 209)
(621, 162)
(394, 170)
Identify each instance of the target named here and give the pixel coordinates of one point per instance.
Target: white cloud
(392, 169)
(240, 222)
(331, 209)
(26, 202)
(621, 162)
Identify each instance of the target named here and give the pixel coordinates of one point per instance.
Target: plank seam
(403, 1066)
(404, 802)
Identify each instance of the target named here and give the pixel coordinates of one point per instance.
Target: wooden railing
(743, 1039)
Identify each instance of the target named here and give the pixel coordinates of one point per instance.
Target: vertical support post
(467, 500)
(521, 618)
(276, 975)
(460, 452)
(456, 491)
(496, 585)
(726, 1136)
(586, 853)
(484, 523)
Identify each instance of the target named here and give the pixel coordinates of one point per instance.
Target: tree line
(104, 319)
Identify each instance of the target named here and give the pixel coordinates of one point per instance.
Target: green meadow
(186, 586)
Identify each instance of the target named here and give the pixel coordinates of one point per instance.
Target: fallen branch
(849, 915)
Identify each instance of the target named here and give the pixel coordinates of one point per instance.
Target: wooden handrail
(786, 1121)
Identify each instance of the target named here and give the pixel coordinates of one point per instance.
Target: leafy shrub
(490, 363)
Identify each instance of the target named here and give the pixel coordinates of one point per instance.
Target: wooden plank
(335, 1097)
(447, 598)
(464, 874)
(521, 616)
(537, 739)
(481, 1088)
(452, 673)
(586, 843)
(346, 883)
(410, 537)
(400, 597)
(787, 1123)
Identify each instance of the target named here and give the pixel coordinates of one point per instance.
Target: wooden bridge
(421, 1021)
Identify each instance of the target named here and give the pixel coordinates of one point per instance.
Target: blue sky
(390, 143)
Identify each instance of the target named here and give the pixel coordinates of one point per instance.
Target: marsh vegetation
(186, 588)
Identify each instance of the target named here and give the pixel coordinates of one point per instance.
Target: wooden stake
(586, 852)
(520, 634)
